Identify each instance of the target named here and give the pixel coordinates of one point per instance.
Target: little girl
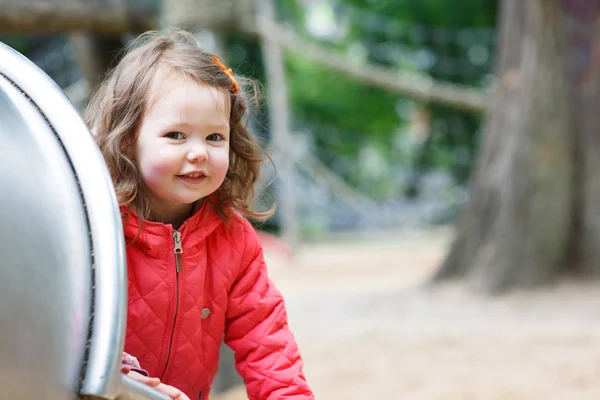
(169, 122)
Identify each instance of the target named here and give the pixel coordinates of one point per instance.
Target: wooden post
(94, 55)
(279, 122)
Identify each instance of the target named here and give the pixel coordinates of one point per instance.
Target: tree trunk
(583, 37)
(517, 225)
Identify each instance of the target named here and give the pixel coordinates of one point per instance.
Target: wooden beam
(115, 17)
(411, 84)
(102, 17)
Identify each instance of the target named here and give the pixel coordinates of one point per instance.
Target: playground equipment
(63, 277)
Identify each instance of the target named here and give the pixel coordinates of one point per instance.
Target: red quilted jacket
(189, 289)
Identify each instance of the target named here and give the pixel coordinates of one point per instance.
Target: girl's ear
(94, 132)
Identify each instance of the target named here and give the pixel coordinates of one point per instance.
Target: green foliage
(18, 42)
(346, 115)
(457, 13)
(323, 97)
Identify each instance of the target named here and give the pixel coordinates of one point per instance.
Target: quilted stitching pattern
(222, 269)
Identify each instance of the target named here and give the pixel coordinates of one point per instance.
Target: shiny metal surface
(62, 259)
(45, 283)
(38, 189)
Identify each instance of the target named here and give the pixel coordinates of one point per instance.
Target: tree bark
(105, 17)
(516, 226)
(583, 37)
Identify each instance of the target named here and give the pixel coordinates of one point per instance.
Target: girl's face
(183, 144)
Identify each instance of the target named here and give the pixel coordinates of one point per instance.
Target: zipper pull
(177, 249)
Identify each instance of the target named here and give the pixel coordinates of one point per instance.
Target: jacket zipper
(178, 250)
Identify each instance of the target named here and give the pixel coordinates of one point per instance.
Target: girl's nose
(197, 153)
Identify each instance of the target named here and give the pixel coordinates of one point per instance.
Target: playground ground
(369, 329)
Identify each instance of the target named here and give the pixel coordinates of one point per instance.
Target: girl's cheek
(152, 177)
(157, 169)
(223, 163)
(223, 156)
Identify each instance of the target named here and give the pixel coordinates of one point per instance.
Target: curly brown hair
(118, 106)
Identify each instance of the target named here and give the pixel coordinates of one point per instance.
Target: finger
(183, 397)
(153, 382)
(169, 391)
(125, 369)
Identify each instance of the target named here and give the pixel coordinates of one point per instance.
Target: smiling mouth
(192, 178)
(194, 175)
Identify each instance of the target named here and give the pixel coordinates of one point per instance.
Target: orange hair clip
(229, 72)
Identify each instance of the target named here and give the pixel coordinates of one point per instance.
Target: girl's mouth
(192, 178)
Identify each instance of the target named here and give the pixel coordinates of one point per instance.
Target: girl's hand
(155, 383)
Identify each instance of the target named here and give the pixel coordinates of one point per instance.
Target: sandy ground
(369, 329)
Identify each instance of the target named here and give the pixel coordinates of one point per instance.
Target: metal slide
(63, 276)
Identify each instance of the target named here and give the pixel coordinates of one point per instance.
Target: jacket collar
(153, 235)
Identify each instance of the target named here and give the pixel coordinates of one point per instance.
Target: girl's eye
(174, 135)
(215, 137)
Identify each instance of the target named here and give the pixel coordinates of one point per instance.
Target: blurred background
(437, 178)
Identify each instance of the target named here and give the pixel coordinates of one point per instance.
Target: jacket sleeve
(266, 353)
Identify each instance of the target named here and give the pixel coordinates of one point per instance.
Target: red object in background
(272, 243)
